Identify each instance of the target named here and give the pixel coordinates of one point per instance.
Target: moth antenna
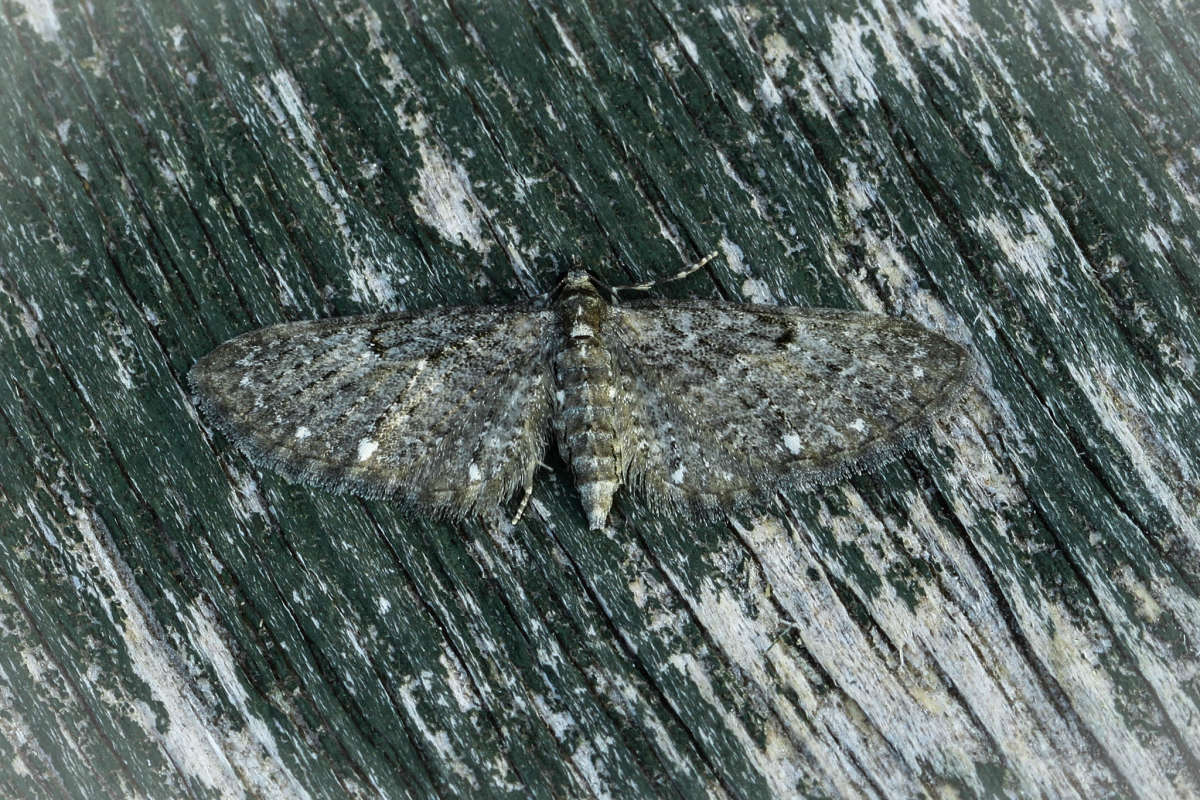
(683, 273)
(524, 502)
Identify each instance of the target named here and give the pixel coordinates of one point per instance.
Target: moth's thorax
(580, 307)
(584, 374)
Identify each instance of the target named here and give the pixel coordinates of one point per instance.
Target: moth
(697, 406)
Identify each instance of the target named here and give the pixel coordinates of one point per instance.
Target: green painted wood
(1010, 610)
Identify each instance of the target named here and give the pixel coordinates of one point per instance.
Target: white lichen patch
(366, 448)
(755, 290)
(768, 747)
(744, 625)
(397, 78)
(849, 63)
(793, 443)
(1075, 661)
(370, 285)
(1031, 248)
(944, 26)
(1146, 606)
(303, 432)
(1108, 22)
(750, 193)
(743, 636)
(1114, 388)
(560, 723)
(123, 373)
(286, 104)
(688, 46)
(589, 756)
(473, 473)
(459, 682)
(778, 54)
(946, 629)
(30, 316)
(666, 54)
(734, 256)
(1154, 453)
(768, 93)
(984, 482)
(445, 200)
(284, 290)
(889, 265)
(249, 500)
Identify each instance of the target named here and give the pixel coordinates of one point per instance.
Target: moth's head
(576, 279)
(581, 280)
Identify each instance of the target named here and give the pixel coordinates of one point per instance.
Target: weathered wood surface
(1011, 610)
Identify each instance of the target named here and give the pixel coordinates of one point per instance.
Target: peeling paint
(184, 736)
(254, 749)
(42, 17)
(446, 202)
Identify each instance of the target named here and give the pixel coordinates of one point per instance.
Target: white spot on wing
(474, 473)
(792, 442)
(677, 475)
(859, 425)
(303, 432)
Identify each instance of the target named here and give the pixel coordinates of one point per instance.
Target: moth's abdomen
(584, 373)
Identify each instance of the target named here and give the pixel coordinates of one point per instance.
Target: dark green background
(1011, 610)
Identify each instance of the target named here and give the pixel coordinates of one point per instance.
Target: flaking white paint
(42, 17)
(1111, 388)
(768, 748)
(573, 56)
(438, 740)
(253, 747)
(176, 721)
(283, 99)
(444, 199)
